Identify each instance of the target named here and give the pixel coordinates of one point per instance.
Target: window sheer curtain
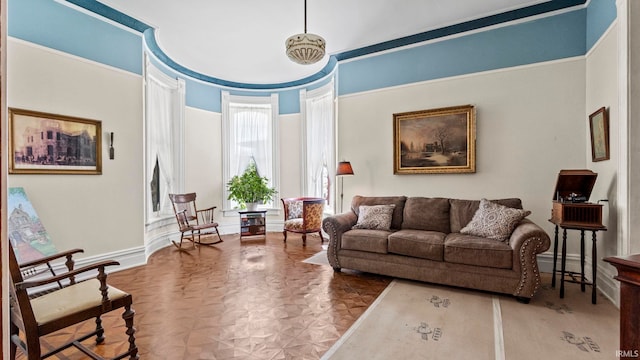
(250, 140)
(319, 143)
(164, 113)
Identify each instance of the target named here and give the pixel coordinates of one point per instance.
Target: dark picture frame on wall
(599, 130)
(439, 140)
(42, 143)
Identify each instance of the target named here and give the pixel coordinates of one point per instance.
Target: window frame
(271, 100)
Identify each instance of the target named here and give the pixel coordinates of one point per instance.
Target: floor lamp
(344, 168)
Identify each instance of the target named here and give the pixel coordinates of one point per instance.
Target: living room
(533, 83)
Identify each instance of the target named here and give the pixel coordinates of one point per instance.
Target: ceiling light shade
(344, 168)
(305, 48)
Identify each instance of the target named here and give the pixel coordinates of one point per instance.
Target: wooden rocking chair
(193, 223)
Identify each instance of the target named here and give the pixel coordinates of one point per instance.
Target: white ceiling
(244, 40)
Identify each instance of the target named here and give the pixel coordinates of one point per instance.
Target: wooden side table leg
(555, 257)
(582, 281)
(594, 266)
(563, 266)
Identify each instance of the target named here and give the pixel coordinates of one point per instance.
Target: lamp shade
(344, 168)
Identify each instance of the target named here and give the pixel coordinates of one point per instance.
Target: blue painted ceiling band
(517, 14)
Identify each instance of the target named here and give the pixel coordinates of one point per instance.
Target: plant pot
(252, 206)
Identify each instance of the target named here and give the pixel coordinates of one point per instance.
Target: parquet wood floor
(241, 299)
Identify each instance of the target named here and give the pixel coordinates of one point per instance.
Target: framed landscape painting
(41, 143)
(435, 141)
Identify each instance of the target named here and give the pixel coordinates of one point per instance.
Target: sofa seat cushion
(366, 240)
(478, 251)
(418, 243)
(422, 213)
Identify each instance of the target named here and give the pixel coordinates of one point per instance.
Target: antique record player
(570, 200)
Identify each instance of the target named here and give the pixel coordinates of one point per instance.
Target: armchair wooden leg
(99, 331)
(128, 319)
(321, 238)
(285, 235)
(304, 239)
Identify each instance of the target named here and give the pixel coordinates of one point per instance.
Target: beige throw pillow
(494, 221)
(374, 217)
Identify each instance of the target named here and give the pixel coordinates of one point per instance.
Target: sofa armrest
(335, 226)
(527, 241)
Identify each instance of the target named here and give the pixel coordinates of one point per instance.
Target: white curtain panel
(250, 138)
(162, 98)
(319, 135)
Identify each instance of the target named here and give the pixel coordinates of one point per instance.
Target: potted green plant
(250, 189)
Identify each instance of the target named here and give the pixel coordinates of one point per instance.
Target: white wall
(203, 156)
(100, 213)
(529, 121)
(602, 90)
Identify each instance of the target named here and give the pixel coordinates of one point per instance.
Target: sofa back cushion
(432, 214)
(398, 201)
(462, 211)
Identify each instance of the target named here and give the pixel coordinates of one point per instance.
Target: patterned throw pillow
(494, 221)
(295, 209)
(374, 217)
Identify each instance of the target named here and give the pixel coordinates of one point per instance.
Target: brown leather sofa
(424, 243)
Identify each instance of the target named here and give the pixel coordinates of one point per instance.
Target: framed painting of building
(41, 143)
(435, 141)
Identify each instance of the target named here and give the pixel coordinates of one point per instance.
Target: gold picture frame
(435, 141)
(42, 143)
(599, 130)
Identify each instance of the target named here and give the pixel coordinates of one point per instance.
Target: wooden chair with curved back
(64, 302)
(303, 215)
(193, 222)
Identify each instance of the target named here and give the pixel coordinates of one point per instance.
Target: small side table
(253, 223)
(629, 276)
(594, 255)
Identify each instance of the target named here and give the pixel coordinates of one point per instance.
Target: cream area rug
(319, 258)
(413, 320)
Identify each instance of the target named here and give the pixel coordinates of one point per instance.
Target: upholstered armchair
(303, 215)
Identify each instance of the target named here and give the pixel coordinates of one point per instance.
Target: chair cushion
(478, 251)
(374, 217)
(294, 224)
(295, 209)
(494, 221)
(71, 299)
(418, 243)
(366, 240)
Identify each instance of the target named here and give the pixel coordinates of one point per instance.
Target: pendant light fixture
(305, 48)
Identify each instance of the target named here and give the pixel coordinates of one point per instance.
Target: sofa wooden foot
(337, 269)
(523, 300)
